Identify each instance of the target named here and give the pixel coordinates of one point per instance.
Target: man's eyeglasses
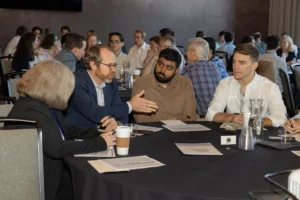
(162, 65)
(110, 66)
(114, 41)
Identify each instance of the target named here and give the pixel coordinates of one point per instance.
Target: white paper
(146, 128)
(124, 164)
(198, 149)
(233, 126)
(296, 153)
(110, 153)
(186, 128)
(173, 122)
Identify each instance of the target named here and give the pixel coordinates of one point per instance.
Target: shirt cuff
(129, 107)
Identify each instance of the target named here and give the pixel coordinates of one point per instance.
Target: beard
(163, 79)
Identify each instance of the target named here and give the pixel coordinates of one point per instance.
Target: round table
(230, 176)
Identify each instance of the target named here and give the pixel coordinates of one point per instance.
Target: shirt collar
(252, 83)
(101, 86)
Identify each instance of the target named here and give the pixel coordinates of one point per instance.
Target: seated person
(45, 90)
(203, 73)
(173, 93)
(286, 50)
(96, 92)
(244, 85)
(293, 125)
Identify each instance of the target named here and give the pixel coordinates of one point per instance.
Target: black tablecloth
(229, 177)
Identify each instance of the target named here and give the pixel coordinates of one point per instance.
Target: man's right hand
(142, 105)
(238, 119)
(109, 138)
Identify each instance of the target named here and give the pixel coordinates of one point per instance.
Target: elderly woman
(286, 50)
(45, 90)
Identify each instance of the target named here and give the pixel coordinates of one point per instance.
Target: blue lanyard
(59, 126)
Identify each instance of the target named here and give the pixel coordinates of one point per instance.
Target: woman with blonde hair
(45, 90)
(286, 50)
(91, 40)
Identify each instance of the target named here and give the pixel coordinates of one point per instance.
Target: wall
(184, 16)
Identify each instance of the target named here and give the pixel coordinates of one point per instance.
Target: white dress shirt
(121, 60)
(12, 45)
(228, 96)
(139, 54)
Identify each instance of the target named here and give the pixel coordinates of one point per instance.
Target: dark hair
(272, 42)
(36, 28)
(21, 30)
(228, 37)
(73, 40)
(200, 34)
(249, 50)
(65, 28)
(171, 55)
(25, 45)
(155, 39)
(117, 34)
(63, 39)
(167, 31)
(222, 33)
(256, 36)
(247, 39)
(48, 41)
(212, 44)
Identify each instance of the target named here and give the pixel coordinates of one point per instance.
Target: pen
(287, 117)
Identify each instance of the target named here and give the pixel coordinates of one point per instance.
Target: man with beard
(173, 93)
(96, 99)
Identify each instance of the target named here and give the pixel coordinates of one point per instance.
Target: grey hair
(200, 46)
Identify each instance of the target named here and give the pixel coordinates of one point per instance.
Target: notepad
(186, 128)
(198, 149)
(124, 164)
(110, 153)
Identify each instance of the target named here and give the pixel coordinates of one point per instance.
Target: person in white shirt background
(12, 45)
(124, 61)
(139, 51)
(244, 85)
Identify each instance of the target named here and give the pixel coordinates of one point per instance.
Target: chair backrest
(266, 69)
(287, 93)
(21, 163)
(6, 65)
(181, 49)
(11, 80)
(224, 57)
(296, 74)
(5, 109)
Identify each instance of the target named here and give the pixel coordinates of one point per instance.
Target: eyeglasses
(110, 66)
(114, 41)
(162, 65)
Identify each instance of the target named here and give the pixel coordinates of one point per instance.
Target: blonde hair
(141, 32)
(50, 82)
(290, 41)
(199, 46)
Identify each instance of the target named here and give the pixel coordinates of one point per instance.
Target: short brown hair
(249, 50)
(94, 54)
(50, 82)
(155, 39)
(141, 32)
(73, 40)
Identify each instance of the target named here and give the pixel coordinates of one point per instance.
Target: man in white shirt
(12, 45)
(139, 51)
(244, 85)
(124, 62)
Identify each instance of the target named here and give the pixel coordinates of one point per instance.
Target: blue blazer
(83, 109)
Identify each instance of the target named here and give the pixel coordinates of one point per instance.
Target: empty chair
(287, 94)
(21, 163)
(266, 69)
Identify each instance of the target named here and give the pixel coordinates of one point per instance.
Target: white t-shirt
(123, 60)
(139, 54)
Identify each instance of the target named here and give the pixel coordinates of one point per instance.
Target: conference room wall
(184, 16)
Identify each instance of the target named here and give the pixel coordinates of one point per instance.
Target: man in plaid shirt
(204, 75)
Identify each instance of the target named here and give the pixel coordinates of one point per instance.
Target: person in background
(12, 45)
(166, 31)
(91, 40)
(295, 46)
(24, 57)
(286, 50)
(72, 51)
(228, 47)
(64, 30)
(49, 47)
(262, 47)
(124, 61)
(204, 75)
(245, 84)
(152, 56)
(200, 34)
(248, 39)
(92, 32)
(37, 31)
(45, 90)
(139, 51)
(215, 59)
(173, 93)
(221, 39)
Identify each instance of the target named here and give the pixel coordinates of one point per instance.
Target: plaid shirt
(205, 78)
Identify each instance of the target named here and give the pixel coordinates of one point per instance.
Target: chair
(287, 94)
(8, 100)
(21, 162)
(224, 57)
(296, 73)
(5, 67)
(5, 109)
(266, 69)
(11, 80)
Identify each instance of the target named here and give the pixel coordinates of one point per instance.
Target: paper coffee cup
(136, 74)
(123, 140)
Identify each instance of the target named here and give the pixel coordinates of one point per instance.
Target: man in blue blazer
(96, 93)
